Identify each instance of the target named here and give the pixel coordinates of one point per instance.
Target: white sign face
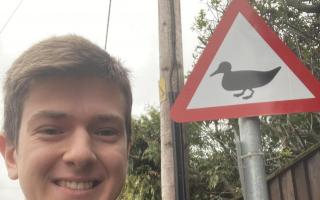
(246, 51)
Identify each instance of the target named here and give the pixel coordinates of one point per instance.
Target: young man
(67, 121)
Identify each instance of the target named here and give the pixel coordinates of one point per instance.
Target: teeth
(74, 185)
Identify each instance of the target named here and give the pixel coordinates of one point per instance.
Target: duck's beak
(214, 73)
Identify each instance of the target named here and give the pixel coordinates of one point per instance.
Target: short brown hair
(63, 55)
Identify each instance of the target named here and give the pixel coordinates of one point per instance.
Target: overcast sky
(133, 38)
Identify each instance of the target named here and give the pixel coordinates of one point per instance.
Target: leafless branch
(314, 8)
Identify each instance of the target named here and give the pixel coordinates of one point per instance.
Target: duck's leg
(249, 96)
(240, 94)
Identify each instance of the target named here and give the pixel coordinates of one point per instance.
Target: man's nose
(80, 153)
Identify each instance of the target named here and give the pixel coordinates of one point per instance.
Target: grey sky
(133, 38)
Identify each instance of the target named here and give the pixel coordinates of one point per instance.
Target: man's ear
(2, 144)
(8, 152)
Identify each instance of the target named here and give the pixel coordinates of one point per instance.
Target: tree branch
(314, 8)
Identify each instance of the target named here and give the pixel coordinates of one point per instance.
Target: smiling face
(73, 142)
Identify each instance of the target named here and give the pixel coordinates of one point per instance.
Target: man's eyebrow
(108, 118)
(48, 114)
(101, 118)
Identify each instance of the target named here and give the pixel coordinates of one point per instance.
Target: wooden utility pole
(173, 181)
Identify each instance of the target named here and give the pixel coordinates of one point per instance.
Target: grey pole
(253, 160)
(240, 164)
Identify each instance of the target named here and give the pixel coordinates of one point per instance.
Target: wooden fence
(299, 180)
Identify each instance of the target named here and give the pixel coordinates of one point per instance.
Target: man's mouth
(77, 185)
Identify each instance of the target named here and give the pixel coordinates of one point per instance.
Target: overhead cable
(12, 14)
(108, 21)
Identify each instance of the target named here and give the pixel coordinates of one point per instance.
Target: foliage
(212, 167)
(143, 181)
(211, 157)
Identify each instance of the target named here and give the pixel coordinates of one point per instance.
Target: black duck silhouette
(244, 79)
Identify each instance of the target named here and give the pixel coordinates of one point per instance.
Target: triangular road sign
(245, 70)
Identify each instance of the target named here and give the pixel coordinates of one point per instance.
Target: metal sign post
(255, 184)
(240, 164)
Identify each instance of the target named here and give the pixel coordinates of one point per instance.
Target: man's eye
(105, 132)
(50, 131)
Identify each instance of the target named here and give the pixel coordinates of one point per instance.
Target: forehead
(74, 93)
